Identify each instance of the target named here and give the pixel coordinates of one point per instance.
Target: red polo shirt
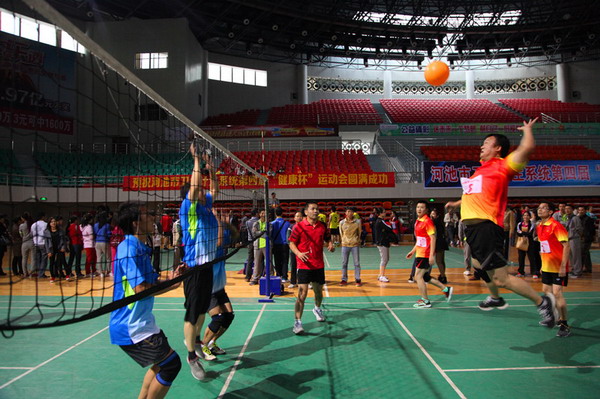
(309, 238)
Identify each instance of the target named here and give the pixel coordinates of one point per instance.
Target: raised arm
(527, 144)
(196, 191)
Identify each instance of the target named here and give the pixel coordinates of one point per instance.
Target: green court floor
(369, 347)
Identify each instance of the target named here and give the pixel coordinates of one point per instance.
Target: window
(228, 73)
(151, 60)
(31, 29)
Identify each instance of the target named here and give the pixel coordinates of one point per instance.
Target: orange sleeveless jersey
(424, 229)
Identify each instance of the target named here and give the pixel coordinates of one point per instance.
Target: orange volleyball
(436, 73)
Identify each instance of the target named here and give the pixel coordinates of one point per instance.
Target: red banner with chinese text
(298, 180)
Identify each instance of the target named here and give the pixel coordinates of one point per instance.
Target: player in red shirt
(555, 251)
(483, 203)
(425, 256)
(306, 242)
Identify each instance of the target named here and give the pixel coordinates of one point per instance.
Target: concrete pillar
(302, 84)
(470, 84)
(387, 84)
(204, 106)
(562, 82)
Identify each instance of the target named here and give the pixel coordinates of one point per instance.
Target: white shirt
(37, 231)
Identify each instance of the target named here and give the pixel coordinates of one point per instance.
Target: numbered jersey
(424, 229)
(551, 235)
(485, 194)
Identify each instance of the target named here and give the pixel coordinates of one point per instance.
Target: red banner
(299, 180)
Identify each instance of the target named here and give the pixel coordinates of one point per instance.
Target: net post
(268, 293)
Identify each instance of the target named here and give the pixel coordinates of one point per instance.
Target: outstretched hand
(528, 125)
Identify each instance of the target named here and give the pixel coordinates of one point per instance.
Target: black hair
(102, 218)
(128, 213)
(501, 141)
(278, 211)
(551, 205)
(310, 202)
(423, 202)
(41, 215)
(254, 212)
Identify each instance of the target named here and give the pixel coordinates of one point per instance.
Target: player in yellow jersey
(334, 225)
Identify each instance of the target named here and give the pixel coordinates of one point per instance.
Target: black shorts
(486, 240)
(306, 276)
(554, 279)
(334, 231)
(198, 291)
(218, 298)
(149, 351)
(422, 263)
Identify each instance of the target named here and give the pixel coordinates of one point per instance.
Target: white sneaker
(292, 286)
(467, 273)
(383, 279)
(298, 327)
(318, 314)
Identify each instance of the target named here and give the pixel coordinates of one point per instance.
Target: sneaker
(520, 275)
(358, 283)
(298, 327)
(535, 276)
(205, 353)
(574, 276)
(68, 278)
(563, 330)
(343, 283)
(490, 303)
(383, 279)
(52, 280)
(411, 280)
(467, 273)
(422, 304)
(216, 350)
(548, 311)
(318, 312)
(292, 286)
(197, 369)
(448, 294)
(252, 282)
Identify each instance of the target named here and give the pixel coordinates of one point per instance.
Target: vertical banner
(37, 86)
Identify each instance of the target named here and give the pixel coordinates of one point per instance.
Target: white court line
(51, 359)
(439, 369)
(239, 358)
(325, 285)
(523, 368)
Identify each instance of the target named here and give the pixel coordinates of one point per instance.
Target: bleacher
(543, 152)
(89, 168)
(301, 161)
(326, 112)
(10, 170)
(245, 117)
(564, 112)
(447, 111)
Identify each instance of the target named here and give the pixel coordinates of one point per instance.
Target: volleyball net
(80, 135)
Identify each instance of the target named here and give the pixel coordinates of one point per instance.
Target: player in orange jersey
(483, 203)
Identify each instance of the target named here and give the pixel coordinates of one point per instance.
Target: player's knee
(482, 275)
(427, 277)
(216, 323)
(227, 319)
(169, 368)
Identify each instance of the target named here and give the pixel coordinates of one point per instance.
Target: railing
(571, 117)
(283, 145)
(410, 162)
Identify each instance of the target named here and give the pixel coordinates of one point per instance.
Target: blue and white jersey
(219, 275)
(199, 229)
(135, 322)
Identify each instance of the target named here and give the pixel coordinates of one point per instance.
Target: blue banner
(536, 173)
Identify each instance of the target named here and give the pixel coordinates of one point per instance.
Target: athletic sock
(192, 355)
(198, 340)
(211, 343)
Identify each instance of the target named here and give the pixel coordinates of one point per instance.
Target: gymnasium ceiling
(467, 33)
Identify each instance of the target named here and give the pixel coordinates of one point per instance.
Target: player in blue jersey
(133, 326)
(199, 237)
(220, 309)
